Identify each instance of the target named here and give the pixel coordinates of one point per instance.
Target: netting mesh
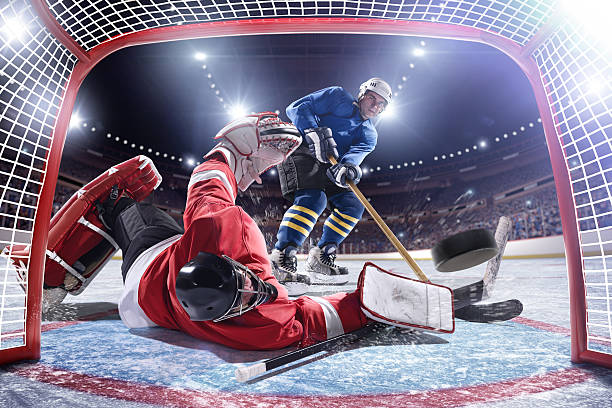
(34, 69)
(93, 22)
(575, 74)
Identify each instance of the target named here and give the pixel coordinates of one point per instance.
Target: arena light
(389, 112)
(75, 120)
(483, 143)
(594, 15)
(272, 172)
(418, 52)
(190, 162)
(237, 111)
(200, 56)
(13, 29)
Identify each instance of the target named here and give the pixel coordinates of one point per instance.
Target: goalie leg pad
(400, 301)
(79, 243)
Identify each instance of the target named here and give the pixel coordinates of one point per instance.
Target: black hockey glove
(341, 173)
(321, 143)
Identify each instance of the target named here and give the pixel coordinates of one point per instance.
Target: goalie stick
(245, 373)
(481, 290)
(491, 312)
(463, 300)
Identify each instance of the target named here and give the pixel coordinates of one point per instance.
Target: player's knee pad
(79, 243)
(312, 199)
(348, 204)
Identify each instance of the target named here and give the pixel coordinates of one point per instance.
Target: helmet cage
(261, 291)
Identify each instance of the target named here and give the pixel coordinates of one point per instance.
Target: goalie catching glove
(253, 144)
(321, 143)
(341, 173)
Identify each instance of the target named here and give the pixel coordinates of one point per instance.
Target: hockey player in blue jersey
(334, 123)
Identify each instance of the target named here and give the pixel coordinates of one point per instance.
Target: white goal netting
(43, 42)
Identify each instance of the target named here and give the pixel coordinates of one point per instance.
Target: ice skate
(322, 268)
(284, 267)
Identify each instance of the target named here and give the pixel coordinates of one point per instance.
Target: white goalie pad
(400, 301)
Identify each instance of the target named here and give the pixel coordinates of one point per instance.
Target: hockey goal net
(49, 46)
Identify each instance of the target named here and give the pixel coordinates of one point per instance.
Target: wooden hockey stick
(385, 229)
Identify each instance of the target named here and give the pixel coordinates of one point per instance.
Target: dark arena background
(500, 108)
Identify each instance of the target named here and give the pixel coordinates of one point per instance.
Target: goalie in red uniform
(212, 280)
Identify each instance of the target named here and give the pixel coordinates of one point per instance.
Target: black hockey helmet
(212, 287)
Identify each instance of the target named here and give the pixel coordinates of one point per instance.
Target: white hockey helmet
(254, 143)
(378, 86)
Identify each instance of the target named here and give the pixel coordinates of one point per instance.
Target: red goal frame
(521, 54)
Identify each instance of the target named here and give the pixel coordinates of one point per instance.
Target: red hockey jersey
(213, 223)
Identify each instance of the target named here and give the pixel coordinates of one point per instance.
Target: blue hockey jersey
(336, 109)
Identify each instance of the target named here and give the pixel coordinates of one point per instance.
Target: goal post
(49, 46)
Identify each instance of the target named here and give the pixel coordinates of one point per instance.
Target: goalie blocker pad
(79, 244)
(400, 301)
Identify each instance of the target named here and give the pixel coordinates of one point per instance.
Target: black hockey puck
(464, 250)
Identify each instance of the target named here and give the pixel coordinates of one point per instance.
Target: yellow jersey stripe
(304, 210)
(338, 230)
(341, 223)
(296, 227)
(346, 217)
(299, 218)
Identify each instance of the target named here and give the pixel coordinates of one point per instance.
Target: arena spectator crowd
(420, 213)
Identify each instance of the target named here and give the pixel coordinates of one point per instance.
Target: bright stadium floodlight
(418, 52)
(389, 112)
(593, 15)
(14, 29)
(200, 56)
(75, 120)
(190, 162)
(483, 143)
(237, 111)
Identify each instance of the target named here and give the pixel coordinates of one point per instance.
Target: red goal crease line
(155, 394)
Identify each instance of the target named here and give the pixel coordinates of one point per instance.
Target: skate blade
(330, 280)
(296, 288)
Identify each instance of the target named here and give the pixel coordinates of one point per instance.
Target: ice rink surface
(89, 359)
